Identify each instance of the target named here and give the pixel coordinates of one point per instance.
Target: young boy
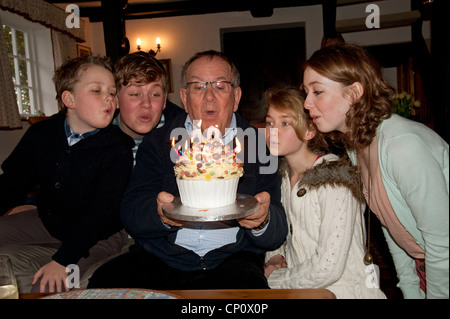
(143, 86)
(82, 165)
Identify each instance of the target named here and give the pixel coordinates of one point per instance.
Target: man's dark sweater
(154, 173)
(81, 186)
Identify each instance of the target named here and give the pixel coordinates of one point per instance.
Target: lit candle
(197, 133)
(238, 146)
(173, 146)
(237, 149)
(213, 130)
(188, 150)
(138, 42)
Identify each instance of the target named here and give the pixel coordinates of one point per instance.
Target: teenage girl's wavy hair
(347, 64)
(290, 100)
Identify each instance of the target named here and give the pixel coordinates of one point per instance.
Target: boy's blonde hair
(291, 101)
(68, 74)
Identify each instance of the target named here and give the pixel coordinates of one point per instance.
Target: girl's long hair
(347, 64)
(289, 99)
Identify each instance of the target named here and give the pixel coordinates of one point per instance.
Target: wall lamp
(151, 52)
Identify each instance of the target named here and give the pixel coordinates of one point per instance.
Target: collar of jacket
(110, 135)
(334, 173)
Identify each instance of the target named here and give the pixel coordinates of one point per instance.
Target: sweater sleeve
(405, 267)
(417, 186)
(337, 213)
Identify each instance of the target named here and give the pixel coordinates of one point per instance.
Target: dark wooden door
(266, 56)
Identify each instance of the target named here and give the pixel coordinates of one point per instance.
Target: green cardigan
(414, 165)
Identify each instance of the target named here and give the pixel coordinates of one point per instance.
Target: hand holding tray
(244, 206)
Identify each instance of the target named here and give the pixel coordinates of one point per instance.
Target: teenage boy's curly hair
(140, 67)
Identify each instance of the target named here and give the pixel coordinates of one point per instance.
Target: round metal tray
(244, 206)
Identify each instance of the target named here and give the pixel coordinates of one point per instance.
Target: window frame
(30, 58)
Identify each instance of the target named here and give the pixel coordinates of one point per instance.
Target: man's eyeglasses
(217, 87)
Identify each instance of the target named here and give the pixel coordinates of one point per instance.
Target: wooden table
(234, 294)
(255, 294)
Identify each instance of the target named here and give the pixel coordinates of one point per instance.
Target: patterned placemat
(112, 294)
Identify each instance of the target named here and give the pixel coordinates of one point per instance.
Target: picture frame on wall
(167, 63)
(83, 50)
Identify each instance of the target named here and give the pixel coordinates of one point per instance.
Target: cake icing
(207, 160)
(207, 173)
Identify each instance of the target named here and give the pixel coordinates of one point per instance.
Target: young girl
(404, 164)
(325, 245)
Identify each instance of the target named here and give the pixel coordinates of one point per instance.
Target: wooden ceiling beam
(180, 8)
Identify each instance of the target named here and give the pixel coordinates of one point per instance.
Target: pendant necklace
(368, 259)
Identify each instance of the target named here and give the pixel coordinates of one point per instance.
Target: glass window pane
(20, 42)
(23, 72)
(13, 71)
(8, 38)
(25, 96)
(17, 91)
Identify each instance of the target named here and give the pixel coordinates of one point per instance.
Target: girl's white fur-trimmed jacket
(325, 244)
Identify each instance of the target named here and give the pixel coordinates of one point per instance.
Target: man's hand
(261, 215)
(164, 197)
(19, 209)
(54, 275)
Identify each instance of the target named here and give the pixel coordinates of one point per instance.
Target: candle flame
(238, 146)
(173, 141)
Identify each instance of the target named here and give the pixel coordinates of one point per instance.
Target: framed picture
(83, 50)
(167, 63)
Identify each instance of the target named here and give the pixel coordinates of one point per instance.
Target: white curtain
(64, 47)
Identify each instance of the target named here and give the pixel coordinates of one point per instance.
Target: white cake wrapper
(207, 194)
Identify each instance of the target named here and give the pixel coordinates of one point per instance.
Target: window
(18, 46)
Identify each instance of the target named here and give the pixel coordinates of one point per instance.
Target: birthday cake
(207, 174)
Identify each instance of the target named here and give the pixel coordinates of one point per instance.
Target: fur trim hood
(338, 172)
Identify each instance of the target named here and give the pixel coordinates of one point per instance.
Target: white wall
(182, 37)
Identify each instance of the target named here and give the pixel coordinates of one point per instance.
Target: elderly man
(168, 255)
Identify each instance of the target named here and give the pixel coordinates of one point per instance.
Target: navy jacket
(81, 186)
(154, 173)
